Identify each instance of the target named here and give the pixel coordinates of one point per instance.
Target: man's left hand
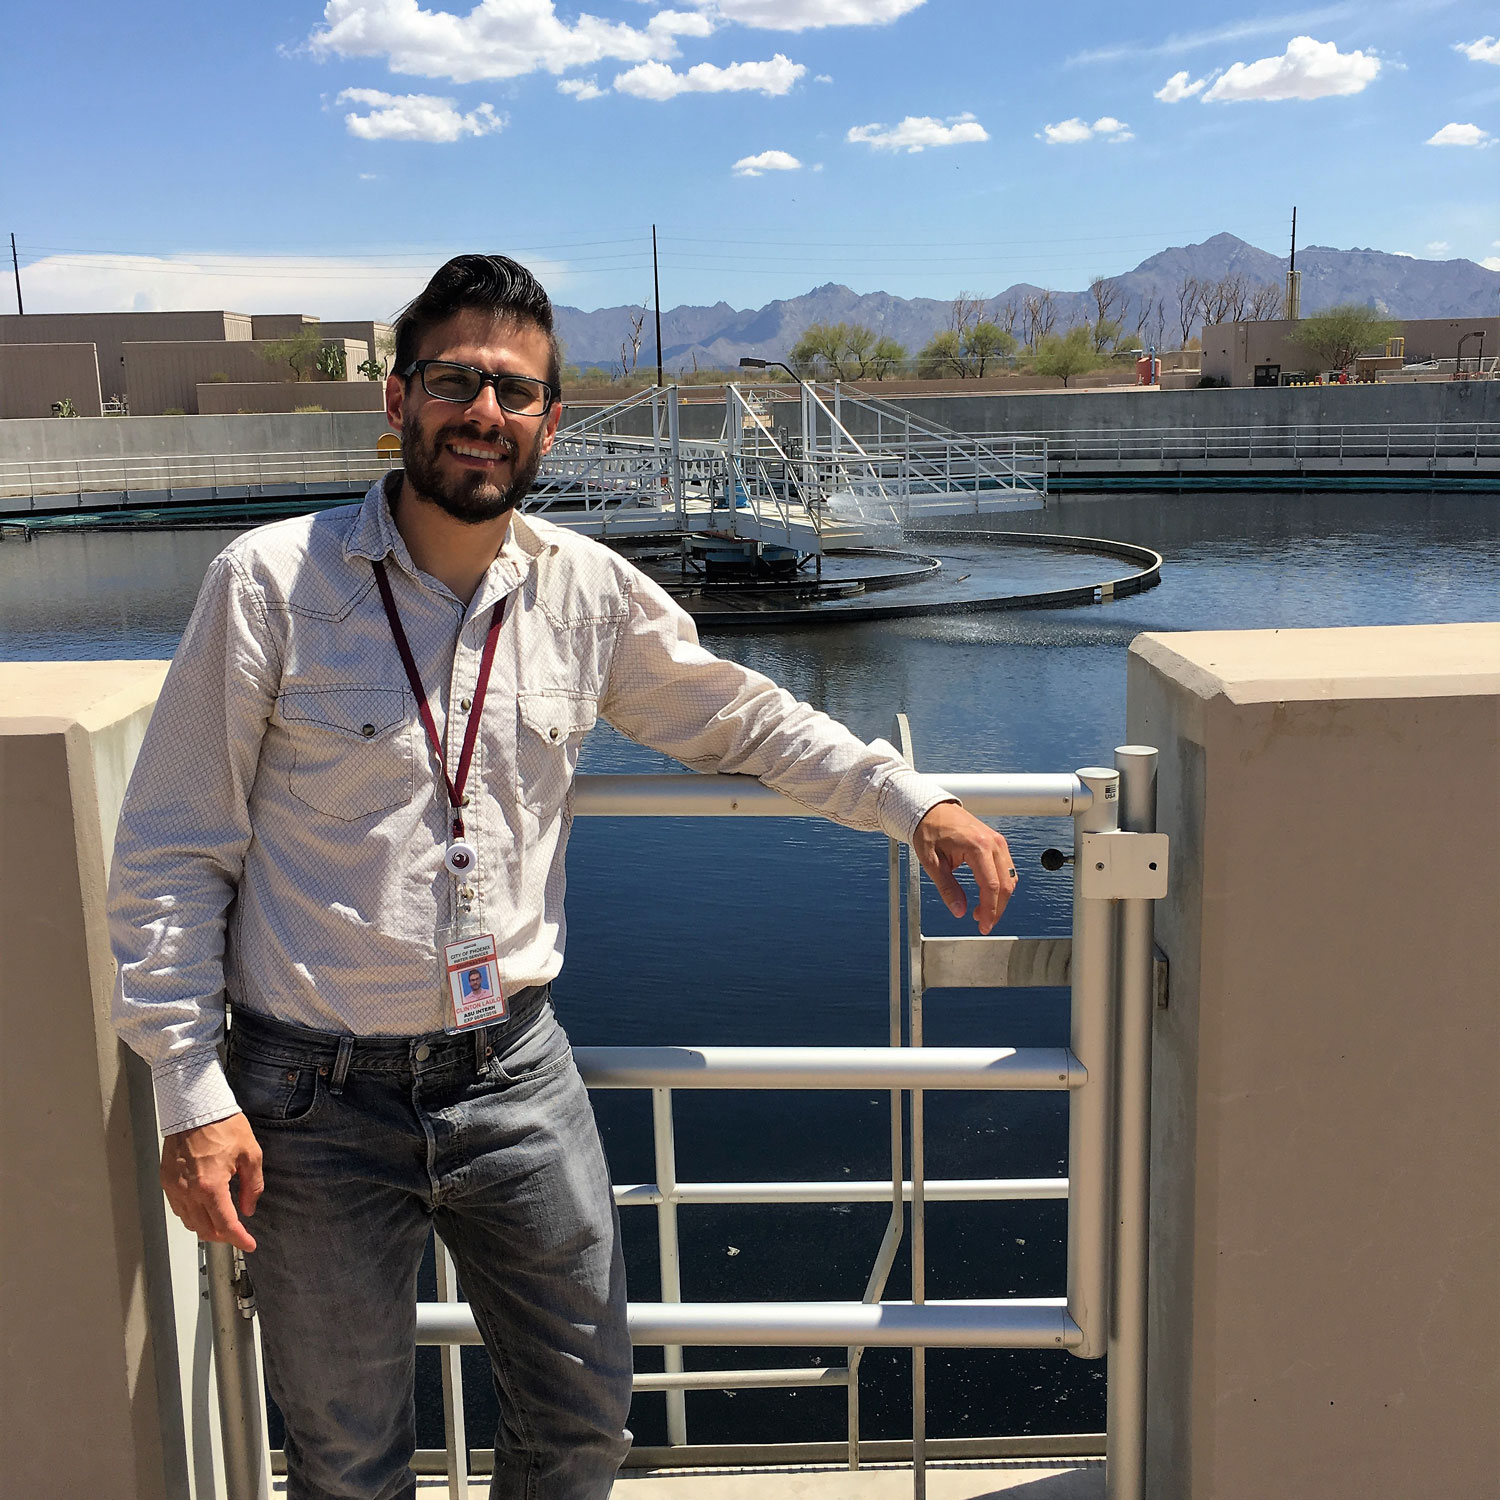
(949, 836)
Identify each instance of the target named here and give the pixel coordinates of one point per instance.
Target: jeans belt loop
(481, 1048)
(341, 1065)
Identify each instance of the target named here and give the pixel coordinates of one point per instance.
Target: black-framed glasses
(444, 380)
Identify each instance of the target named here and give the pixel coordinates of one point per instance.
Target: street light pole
(16, 266)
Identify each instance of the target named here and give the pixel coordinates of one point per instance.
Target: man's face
(475, 460)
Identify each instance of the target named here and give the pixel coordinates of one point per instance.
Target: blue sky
(324, 158)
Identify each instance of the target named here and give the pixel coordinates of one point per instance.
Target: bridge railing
(1119, 870)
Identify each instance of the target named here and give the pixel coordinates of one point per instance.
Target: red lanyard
(454, 783)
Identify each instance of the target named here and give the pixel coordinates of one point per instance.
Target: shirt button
(553, 732)
(466, 704)
(423, 1052)
(367, 730)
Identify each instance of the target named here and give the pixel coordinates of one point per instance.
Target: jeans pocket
(272, 1093)
(538, 1053)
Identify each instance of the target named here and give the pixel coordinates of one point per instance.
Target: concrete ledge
(1325, 1305)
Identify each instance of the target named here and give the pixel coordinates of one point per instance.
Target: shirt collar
(374, 536)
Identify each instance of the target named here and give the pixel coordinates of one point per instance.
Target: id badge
(473, 995)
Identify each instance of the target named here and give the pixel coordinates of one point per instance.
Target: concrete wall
(97, 1378)
(109, 333)
(1231, 351)
(33, 376)
(1325, 1294)
(165, 375)
(145, 437)
(285, 396)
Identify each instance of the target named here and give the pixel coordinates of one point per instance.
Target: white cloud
(823, 78)
(327, 286)
(496, 39)
(1486, 49)
(1461, 135)
(1075, 131)
(766, 161)
(1177, 88)
(655, 80)
(1436, 247)
(918, 132)
(804, 15)
(1306, 70)
(415, 117)
(1491, 262)
(580, 88)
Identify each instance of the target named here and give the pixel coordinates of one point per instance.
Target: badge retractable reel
(473, 995)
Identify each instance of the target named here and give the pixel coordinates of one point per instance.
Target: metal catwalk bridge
(622, 471)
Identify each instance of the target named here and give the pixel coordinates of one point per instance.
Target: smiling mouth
(480, 452)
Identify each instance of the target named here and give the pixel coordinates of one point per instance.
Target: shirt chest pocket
(550, 727)
(351, 749)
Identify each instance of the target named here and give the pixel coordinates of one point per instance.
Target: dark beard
(469, 496)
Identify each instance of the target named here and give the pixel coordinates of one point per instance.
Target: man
(353, 794)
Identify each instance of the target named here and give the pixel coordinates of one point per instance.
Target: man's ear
(553, 418)
(395, 400)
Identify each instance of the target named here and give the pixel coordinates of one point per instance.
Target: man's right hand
(196, 1168)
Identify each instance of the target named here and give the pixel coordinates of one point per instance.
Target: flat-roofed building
(1261, 353)
(34, 377)
(110, 332)
(164, 377)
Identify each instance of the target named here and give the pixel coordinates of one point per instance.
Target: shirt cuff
(191, 1090)
(906, 798)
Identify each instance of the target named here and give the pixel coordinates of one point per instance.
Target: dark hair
(495, 284)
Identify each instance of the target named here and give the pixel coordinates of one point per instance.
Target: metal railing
(1120, 868)
(1386, 443)
(887, 457)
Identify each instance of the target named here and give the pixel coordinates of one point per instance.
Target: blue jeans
(368, 1145)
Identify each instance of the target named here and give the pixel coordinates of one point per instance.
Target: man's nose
(486, 407)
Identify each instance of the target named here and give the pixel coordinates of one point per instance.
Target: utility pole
(1293, 278)
(656, 282)
(16, 266)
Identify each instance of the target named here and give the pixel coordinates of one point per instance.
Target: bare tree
(1156, 320)
(1187, 306)
(630, 350)
(1007, 314)
(967, 308)
(1109, 300)
(1040, 313)
(1223, 301)
(1265, 302)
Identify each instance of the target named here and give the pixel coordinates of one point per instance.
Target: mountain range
(1400, 286)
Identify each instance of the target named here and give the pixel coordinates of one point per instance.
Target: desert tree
(1071, 354)
(846, 351)
(1335, 336)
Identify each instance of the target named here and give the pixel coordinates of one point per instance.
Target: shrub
(309, 408)
(173, 411)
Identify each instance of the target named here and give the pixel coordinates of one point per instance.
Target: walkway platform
(1072, 1479)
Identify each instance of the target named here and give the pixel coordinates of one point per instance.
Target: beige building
(155, 362)
(35, 376)
(1262, 353)
(163, 377)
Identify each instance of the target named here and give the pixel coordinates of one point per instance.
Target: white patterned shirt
(283, 834)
